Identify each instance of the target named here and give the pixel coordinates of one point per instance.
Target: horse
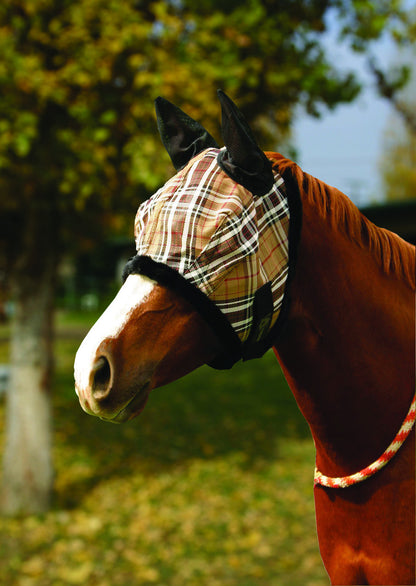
(239, 252)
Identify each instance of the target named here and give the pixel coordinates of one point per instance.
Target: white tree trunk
(27, 464)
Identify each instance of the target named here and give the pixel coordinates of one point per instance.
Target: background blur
(213, 483)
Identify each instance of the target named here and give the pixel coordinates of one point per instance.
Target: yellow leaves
(33, 570)
(212, 512)
(208, 522)
(18, 134)
(87, 525)
(143, 570)
(34, 566)
(399, 164)
(79, 573)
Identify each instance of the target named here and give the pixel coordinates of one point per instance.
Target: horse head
(208, 280)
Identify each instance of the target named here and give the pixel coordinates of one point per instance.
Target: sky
(344, 147)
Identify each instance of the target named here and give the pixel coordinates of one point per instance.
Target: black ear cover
(242, 160)
(183, 137)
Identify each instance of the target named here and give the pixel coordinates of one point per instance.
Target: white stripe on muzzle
(133, 293)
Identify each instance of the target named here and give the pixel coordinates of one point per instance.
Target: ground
(211, 485)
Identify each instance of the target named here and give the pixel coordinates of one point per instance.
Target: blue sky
(344, 147)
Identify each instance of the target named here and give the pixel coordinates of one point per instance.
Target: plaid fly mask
(217, 234)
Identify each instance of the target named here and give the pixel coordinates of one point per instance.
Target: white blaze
(135, 291)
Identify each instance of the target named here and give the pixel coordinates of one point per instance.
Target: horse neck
(348, 348)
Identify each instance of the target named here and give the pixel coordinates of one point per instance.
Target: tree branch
(391, 89)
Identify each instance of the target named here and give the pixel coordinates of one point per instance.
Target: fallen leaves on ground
(212, 486)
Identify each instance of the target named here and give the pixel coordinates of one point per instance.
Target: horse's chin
(114, 414)
(132, 409)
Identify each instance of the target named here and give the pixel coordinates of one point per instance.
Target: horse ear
(182, 136)
(242, 160)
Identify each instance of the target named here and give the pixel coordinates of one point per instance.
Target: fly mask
(218, 231)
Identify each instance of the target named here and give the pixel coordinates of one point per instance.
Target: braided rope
(345, 481)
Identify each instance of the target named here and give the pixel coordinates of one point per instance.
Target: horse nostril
(101, 378)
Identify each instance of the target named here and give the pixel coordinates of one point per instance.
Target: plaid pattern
(219, 236)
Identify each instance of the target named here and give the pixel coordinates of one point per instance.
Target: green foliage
(272, 60)
(364, 21)
(399, 166)
(212, 484)
(69, 79)
(78, 79)
(398, 162)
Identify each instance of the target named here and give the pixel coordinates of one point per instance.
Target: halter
(394, 447)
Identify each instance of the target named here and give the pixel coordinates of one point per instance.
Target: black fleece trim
(295, 228)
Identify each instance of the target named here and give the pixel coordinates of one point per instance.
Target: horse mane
(395, 255)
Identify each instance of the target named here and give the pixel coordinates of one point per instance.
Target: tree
(367, 21)
(398, 163)
(390, 88)
(70, 75)
(399, 166)
(78, 146)
(268, 56)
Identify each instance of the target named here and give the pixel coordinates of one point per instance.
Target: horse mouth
(133, 408)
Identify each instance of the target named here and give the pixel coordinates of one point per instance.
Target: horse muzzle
(112, 391)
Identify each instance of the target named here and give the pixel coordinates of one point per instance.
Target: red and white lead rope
(394, 447)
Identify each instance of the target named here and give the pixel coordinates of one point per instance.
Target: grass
(211, 485)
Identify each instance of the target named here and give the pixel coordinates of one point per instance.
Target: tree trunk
(27, 464)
